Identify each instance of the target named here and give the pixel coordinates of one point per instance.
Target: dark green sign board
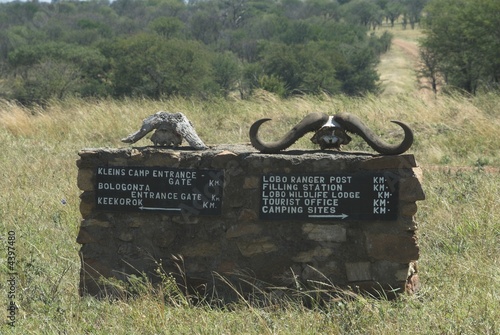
(159, 189)
(362, 196)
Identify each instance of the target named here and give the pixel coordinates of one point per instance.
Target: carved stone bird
(171, 129)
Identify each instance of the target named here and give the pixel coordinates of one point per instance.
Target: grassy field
(459, 223)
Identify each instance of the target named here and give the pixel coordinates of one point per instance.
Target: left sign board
(159, 189)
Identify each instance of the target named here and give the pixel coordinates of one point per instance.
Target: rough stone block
(407, 223)
(204, 249)
(243, 230)
(408, 209)
(395, 162)
(412, 284)
(221, 159)
(135, 222)
(251, 182)
(323, 273)
(126, 236)
(389, 272)
(85, 180)
(394, 248)
(411, 187)
(84, 237)
(93, 269)
(254, 247)
(164, 240)
(171, 159)
(95, 222)
(86, 208)
(310, 255)
(227, 267)
(358, 271)
(325, 233)
(136, 154)
(247, 215)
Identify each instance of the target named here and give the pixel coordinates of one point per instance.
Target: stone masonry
(371, 255)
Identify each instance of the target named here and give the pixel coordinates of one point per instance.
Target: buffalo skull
(331, 132)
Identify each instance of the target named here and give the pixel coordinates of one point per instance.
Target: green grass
(459, 223)
(459, 226)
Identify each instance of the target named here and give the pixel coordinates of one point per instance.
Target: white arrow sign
(159, 209)
(340, 216)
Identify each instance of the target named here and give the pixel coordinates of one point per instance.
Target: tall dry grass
(452, 130)
(459, 225)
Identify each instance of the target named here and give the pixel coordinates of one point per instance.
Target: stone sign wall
(300, 216)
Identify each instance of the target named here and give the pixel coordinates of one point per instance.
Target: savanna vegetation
(163, 48)
(456, 146)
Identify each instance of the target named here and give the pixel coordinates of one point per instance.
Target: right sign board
(362, 196)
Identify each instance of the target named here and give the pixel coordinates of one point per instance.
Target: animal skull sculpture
(331, 132)
(331, 136)
(171, 128)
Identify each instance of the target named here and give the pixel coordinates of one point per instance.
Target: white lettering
(346, 195)
(122, 187)
(308, 179)
(190, 196)
(138, 173)
(174, 174)
(340, 179)
(110, 201)
(110, 171)
(282, 210)
(275, 179)
(174, 181)
(321, 202)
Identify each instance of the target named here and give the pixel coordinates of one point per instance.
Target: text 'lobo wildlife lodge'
(159, 189)
(338, 197)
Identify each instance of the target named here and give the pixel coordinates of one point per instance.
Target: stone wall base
(235, 243)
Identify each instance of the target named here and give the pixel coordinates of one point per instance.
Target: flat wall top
(324, 160)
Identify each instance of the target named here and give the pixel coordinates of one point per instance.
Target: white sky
(24, 0)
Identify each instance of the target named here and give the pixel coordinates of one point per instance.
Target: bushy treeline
(461, 49)
(160, 48)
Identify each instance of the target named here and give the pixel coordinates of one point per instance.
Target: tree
(430, 67)
(205, 26)
(322, 8)
(280, 60)
(54, 70)
(167, 27)
(149, 65)
(413, 10)
(298, 32)
(320, 67)
(357, 72)
(462, 35)
(226, 71)
(393, 10)
(364, 12)
(158, 48)
(47, 80)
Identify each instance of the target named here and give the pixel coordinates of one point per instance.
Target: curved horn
(311, 122)
(354, 125)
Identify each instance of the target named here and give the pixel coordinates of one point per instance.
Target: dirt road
(397, 67)
(409, 48)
